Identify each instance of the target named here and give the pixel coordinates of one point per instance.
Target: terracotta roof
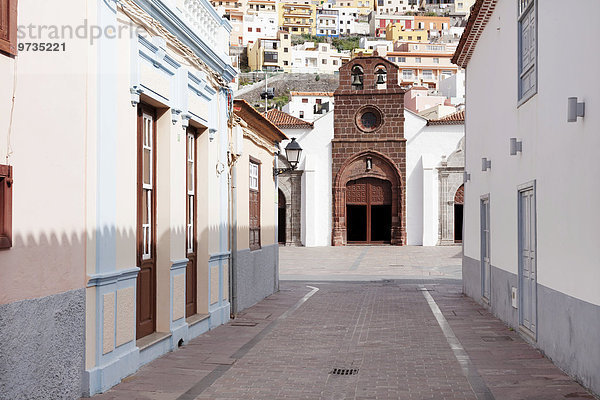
(480, 15)
(457, 118)
(262, 125)
(285, 120)
(327, 94)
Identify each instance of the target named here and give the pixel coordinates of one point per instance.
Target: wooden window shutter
(6, 185)
(8, 26)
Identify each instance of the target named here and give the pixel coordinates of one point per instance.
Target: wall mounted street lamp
(292, 153)
(486, 164)
(516, 146)
(574, 109)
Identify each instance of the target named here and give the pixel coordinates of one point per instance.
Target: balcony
(271, 57)
(206, 23)
(297, 6)
(328, 12)
(297, 14)
(297, 23)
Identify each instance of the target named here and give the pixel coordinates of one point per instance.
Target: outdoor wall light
(466, 177)
(292, 154)
(485, 164)
(516, 146)
(574, 109)
(369, 163)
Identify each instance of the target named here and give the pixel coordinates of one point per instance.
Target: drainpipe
(276, 277)
(233, 238)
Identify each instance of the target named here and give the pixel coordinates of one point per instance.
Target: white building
(349, 20)
(307, 189)
(128, 258)
(309, 106)
(453, 87)
(340, 21)
(396, 6)
(328, 21)
(428, 144)
(531, 215)
(310, 57)
(259, 26)
(434, 176)
(382, 46)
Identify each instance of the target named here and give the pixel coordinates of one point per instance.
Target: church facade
(368, 155)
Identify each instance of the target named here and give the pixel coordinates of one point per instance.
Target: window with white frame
(254, 206)
(191, 190)
(253, 176)
(147, 183)
(527, 49)
(407, 74)
(427, 74)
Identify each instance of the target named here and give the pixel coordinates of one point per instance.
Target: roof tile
(285, 120)
(457, 118)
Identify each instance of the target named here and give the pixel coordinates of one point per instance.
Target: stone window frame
(366, 109)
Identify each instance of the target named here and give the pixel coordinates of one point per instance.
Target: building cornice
(166, 16)
(480, 15)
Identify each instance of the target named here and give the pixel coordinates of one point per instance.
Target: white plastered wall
(425, 146)
(316, 183)
(47, 145)
(560, 156)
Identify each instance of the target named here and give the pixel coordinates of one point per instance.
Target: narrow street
(358, 323)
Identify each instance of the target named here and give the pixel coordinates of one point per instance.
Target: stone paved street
(398, 322)
(355, 263)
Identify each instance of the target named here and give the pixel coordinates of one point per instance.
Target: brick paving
(385, 329)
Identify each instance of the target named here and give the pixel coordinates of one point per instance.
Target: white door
(527, 260)
(485, 249)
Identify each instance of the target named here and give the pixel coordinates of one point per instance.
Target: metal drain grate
(244, 323)
(344, 371)
(496, 338)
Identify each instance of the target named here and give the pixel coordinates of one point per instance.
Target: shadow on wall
(43, 310)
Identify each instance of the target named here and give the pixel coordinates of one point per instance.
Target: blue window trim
(522, 100)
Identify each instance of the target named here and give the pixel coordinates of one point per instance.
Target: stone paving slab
(362, 263)
(386, 330)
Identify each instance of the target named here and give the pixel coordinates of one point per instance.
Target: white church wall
(425, 146)
(316, 183)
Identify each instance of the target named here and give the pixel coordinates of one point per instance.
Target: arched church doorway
(281, 218)
(458, 214)
(369, 211)
(368, 201)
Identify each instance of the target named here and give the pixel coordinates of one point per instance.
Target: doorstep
(196, 318)
(151, 339)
